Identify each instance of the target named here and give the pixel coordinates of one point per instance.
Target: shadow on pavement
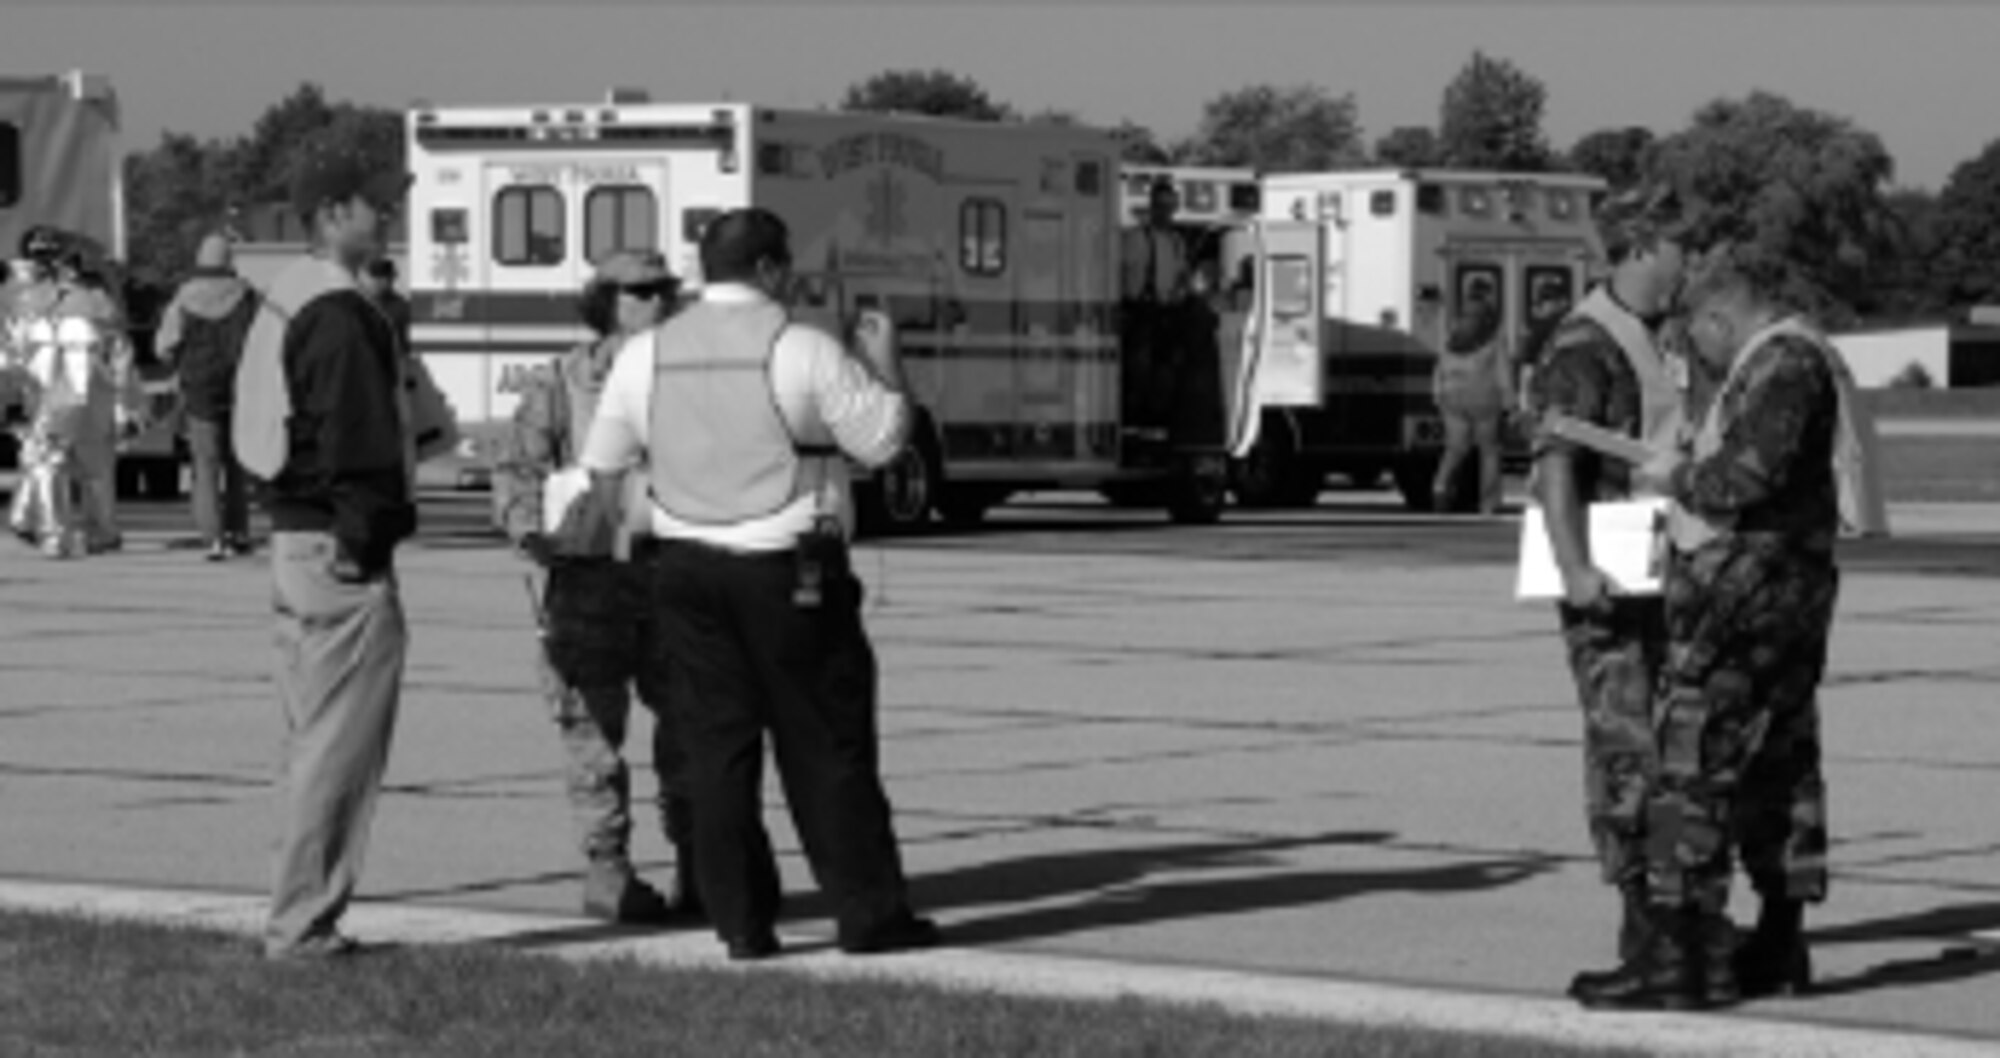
(1960, 961)
(1112, 890)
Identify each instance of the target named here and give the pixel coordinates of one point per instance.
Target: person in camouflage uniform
(597, 616)
(1749, 605)
(1602, 365)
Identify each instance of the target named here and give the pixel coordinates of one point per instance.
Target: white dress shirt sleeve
(618, 434)
(867, 420)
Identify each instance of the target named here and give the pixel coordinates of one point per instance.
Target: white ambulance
(1357, 275)
(992, 246)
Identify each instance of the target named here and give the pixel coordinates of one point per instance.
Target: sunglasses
(651, 291)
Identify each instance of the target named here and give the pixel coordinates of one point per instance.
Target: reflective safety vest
(719, 451)
(1662, 403)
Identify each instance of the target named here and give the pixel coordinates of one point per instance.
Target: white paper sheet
(1627, 542)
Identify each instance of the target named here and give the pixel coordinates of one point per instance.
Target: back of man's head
(735, 243)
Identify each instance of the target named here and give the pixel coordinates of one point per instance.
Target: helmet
(43, 244)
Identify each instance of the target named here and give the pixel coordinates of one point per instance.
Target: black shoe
(218, 552)
(1685, 966)
(905, 933)
(1774, 959)
(1634, 929)
(756, 946)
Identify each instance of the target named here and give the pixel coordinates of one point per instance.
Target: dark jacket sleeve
(343, 379)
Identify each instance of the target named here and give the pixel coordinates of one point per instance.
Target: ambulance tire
(1363, 477)
(897, 500)
(1275, 475)
(1128, 496)
(1198, 498)
(1414, 474)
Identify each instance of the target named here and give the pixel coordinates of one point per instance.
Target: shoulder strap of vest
(1624, 329)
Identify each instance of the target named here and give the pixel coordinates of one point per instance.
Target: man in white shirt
(744, 422)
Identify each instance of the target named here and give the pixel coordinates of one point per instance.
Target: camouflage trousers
(600, 648)
(1739, 725)
(1615, 657)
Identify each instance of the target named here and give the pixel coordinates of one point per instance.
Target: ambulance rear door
(1282, 365)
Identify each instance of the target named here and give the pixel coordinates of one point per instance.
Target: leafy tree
(278, 131)
(1054, 116)
(1966, 227)
(1492, 118)
(937, 93)
(174, 194)
(1910, 282)
(1136, 143)
(1617, 155)
(1409, 147)
(1799, 191)
(1300, 128)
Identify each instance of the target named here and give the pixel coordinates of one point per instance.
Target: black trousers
(750, 663)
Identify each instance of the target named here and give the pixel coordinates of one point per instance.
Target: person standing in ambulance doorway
(201, 336)
(745, 421)
(1604, 366)
(1154, 288)
(599, 644)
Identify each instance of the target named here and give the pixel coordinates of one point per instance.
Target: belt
(653, 548)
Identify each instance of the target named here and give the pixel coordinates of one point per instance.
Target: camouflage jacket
(543, 436)
(1584, 374)
(1773, 476)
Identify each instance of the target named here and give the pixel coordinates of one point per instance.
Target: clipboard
(1628, 541)
(1597, 438)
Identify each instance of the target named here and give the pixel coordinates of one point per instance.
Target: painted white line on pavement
(1056, 977)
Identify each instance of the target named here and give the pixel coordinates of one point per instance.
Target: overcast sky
(1923, 76)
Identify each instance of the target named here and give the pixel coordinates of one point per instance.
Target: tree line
(1811, 190)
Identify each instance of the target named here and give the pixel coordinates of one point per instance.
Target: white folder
(1628, 541)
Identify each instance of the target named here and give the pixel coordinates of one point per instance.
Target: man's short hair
(734, 244)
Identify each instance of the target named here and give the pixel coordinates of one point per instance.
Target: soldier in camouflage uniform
(1750, 599)
(598, 618)
(1603, 365)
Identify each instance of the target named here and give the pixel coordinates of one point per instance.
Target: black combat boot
(1633, 928)
(1774, 960)
(1683, 965)
(685, 897)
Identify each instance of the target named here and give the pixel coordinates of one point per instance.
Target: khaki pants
(341, 650)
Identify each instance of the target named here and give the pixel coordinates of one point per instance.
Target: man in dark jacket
(324, 368)
(201, 335)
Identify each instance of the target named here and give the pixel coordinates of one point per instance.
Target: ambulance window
(448, 227)
(1089, 179)
(982, 234)
(528, 226)
(1200, 196)
(10, 165)
(1243, 198)
(1430, 199)
(1382, 203)
(1561, 205)
(619, 218)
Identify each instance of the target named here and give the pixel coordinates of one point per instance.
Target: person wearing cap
(322, 416)
(1604, 366)
(598, 639)
(745, 421)
(201, 336)
(1154, 287)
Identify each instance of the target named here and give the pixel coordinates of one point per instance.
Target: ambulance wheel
(1275, 474)
(1414, 475)
(898, 499)
(1199, 497)
(1127, 495)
